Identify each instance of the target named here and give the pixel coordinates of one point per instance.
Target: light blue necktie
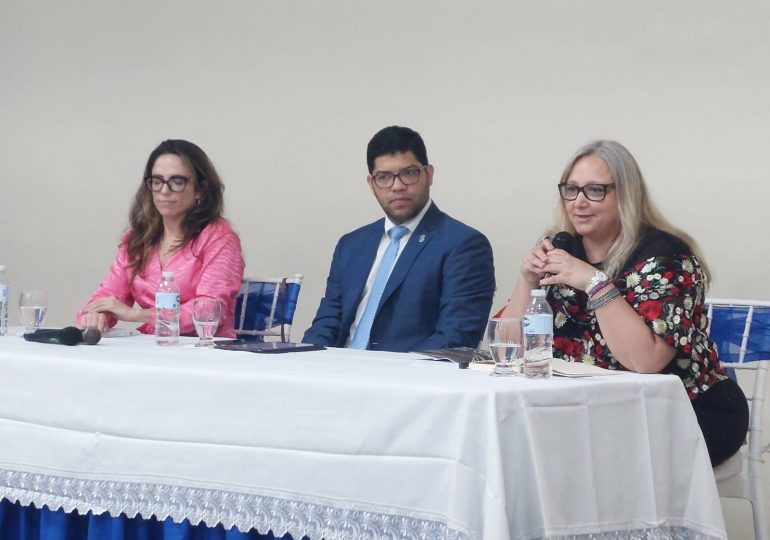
(361, 337)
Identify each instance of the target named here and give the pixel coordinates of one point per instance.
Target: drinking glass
(206, 315)
(32, 308)
(504, 338)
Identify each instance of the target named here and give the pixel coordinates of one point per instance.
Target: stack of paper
(562, 368)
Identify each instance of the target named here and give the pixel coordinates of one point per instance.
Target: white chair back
(741, 331)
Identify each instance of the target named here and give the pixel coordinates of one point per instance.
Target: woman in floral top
(629, 293)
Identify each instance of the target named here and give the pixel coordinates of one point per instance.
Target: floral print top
(662, 281)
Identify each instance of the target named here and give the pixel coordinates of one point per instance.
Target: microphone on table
(562, 240)
(68, 335)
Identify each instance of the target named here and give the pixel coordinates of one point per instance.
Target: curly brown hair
(147, 223)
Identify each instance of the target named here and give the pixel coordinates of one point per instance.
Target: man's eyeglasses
(408, 176)
(593, 192)
(174, 183)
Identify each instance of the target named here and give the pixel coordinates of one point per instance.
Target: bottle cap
(538, 292)
(168, 275)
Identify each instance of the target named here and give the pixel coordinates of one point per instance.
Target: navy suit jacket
(438, 295)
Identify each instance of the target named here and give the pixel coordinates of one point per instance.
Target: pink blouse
(211, 265)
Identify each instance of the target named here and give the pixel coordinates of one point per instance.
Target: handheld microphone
(69, 335)
(562, 240)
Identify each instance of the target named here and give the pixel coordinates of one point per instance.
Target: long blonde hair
(636, 210)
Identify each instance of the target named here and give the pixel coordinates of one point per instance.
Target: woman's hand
(567, 270)
(534, 262)
(111, 305)
(94, 319)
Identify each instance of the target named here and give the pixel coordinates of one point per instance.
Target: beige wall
(284, 96)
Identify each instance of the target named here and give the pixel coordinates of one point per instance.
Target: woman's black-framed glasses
(174, 183)
(593, 192)
(408, 176)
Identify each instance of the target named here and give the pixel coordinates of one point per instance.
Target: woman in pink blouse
(176, 225)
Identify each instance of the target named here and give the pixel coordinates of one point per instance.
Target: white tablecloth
(349, 444)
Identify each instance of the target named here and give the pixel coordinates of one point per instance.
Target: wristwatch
(597, 281)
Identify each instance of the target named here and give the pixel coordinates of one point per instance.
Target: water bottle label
(167, 300)
(538, 324)
(3, 293)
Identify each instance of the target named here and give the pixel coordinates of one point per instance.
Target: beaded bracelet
(605, 298)
(597, 282)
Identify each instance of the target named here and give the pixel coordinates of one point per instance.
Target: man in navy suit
(415, 280)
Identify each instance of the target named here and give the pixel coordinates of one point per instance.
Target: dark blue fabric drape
(19, 522)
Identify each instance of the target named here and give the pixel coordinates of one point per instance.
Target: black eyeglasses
(593, 192)
(408, 176)
(174, 183)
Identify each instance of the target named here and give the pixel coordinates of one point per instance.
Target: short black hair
(393, 140)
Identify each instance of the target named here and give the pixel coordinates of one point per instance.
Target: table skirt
(19, 522)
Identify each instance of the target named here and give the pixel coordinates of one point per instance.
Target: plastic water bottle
(167, 306)
(538, 337)
(4, 295)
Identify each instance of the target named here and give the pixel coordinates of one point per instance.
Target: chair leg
(757, 498)
(760, 528)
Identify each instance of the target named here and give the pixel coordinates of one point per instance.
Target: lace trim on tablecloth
(212, 506)
(248, 511)
(651, 533)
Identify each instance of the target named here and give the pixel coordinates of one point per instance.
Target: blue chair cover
(259, 304)
(19, 522)
(727, 327)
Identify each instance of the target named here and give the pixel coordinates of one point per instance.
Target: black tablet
(268, 347)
